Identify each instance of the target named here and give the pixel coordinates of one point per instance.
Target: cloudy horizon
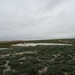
(37, 19)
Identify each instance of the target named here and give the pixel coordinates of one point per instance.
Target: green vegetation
(38, 60)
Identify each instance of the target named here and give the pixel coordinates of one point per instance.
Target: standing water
(35, 44)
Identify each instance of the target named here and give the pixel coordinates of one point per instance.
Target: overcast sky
(37, 19)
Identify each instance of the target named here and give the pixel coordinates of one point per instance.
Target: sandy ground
(27, 52)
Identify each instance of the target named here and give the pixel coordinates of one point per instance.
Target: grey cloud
(36, 19)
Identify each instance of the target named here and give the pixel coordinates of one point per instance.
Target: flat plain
(39, 59)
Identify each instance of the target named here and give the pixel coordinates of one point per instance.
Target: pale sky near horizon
(37, 19)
